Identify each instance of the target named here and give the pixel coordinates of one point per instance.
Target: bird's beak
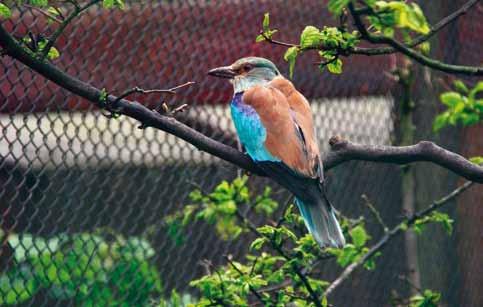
(223, 72)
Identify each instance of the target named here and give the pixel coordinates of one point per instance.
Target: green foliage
(354, 251)
(177, 300)
(5, 12)
(463, 105)
(427, 299)
(291, 56)
(398, 14)
(40, 46)
(39, 3)
(434, 217)
(103, 97)
(219, 208)
(336, 6)
(477, 160)
(279, 268)
(108, 4)
(266, 31)
(234, 283)
(85, 268)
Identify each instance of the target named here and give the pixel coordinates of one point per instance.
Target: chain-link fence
(77, 189)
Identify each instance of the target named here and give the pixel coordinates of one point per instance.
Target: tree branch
(422, 38)
(399, 228)
(342, 151)
(409, 52)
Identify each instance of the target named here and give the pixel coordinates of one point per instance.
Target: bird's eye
(247, 67)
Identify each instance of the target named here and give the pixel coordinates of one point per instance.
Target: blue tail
(321, 222)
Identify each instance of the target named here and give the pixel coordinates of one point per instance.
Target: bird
(275, 125)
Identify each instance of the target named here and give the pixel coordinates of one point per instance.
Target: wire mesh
(78, 189)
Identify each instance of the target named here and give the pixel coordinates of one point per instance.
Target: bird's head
(247, 72)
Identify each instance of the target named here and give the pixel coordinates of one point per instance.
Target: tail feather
(321, 222)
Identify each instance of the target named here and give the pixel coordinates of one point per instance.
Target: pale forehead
(256, 61)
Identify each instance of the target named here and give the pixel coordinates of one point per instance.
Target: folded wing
(286, 116)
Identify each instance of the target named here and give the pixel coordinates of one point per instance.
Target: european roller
(275, 125)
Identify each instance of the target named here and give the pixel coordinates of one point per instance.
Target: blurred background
(69, 174)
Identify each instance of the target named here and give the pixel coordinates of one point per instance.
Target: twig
(285, 208)
(51, 41)
(276, 42)
(180, 109)
(374, 212)
(171, 91)
(409, 52)
(45, 13)
(399, 228)
(252, 290)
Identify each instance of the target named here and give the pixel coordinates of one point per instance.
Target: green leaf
(474, 91)
(53, 53)
(425, 48)
(477, 160)
(451, 98)
(53, 11)
(113, 3)
(258, 243)
(440, 121)
(416, 20)
(311, 37)
(359, 236)
(291, 56)
(460, 87)
(107, 3)
(336, 6)
(335, 67)
(39, 2)
(260, 38)
(266, 22)
(5, 11)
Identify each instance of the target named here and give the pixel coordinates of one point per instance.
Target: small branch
(286, 205)
(375, 213)
(276, 42)
(180, 109)
(399, 228)
(409, 52)
(45, 13)
(421, 39)
(171, 91)
(51, 41)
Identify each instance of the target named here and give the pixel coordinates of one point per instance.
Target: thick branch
(399, 228)
(342, 151)
(409, 52)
